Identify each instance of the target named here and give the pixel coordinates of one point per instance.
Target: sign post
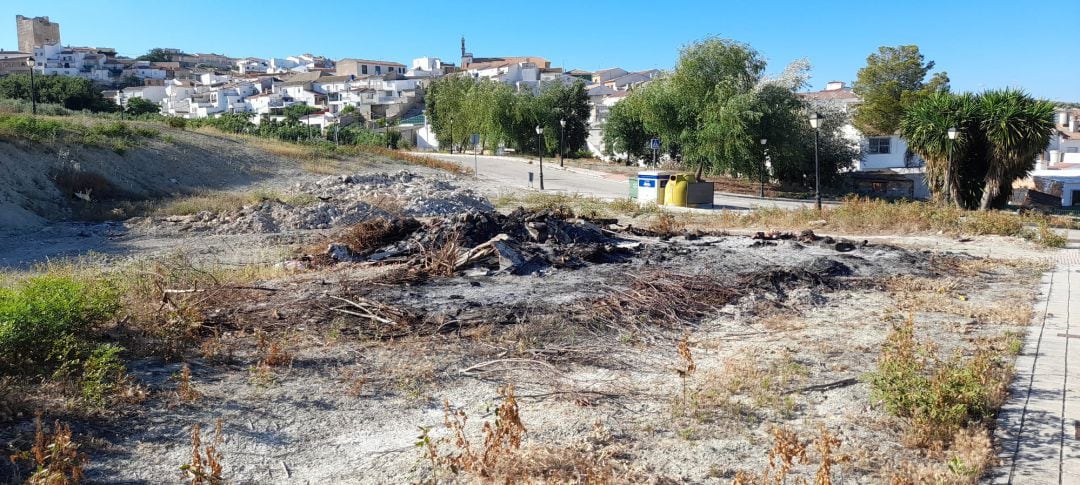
(475, 140)
(654, 145)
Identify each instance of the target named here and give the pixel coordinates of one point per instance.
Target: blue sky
(981, 44)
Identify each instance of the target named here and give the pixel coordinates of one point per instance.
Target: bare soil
(781, 334)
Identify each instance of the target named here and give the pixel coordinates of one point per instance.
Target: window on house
(363, 69)
(378, 69)
(879, 146)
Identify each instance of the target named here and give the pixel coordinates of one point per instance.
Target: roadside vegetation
(114, 135)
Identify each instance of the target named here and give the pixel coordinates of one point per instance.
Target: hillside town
(423, 250)
(377, 94)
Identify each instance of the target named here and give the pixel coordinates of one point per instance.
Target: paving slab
(1038, 432)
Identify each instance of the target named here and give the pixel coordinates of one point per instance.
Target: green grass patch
(118, 136)
(43, 319)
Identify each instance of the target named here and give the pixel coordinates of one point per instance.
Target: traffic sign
(654, 144)
(474, 139)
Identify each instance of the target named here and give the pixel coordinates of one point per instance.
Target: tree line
(459, 106)
(715, 108)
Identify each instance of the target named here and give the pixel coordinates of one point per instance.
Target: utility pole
(562, 130)
(764, 156)
(33, 89)
(540, 152)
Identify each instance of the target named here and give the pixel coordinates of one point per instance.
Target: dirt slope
(40, 179)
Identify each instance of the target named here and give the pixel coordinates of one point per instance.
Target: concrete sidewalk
(1038, 433)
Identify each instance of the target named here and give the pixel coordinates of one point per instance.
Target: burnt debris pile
(481, 243)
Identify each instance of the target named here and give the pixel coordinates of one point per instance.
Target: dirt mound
(41, 180)
(334, 202)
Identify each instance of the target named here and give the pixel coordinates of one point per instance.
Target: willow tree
(999, 134)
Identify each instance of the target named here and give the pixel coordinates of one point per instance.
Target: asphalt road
(513, 172)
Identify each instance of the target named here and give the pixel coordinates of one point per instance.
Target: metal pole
(561, 130)
(451, 135)
(475, 164)
(540, 151)
(33, 89)
(948, 178)
(817, 171)
(761, 177)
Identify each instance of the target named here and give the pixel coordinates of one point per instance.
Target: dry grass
(502, 458)
(222, 202)
(744, 388)
(970, 455)
(789, 451)
(948, 296)
(442, 260)
(416, 159)
(658, 299)
(205, 467)
(56, 458)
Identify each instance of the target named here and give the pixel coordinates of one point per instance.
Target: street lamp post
(540, 152)
(949, 168)
(120, 100)
(764, 155)
(815, 123)
(33, 89)
(562, 129)
(451, 135)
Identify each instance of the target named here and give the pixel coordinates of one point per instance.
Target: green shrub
(176, 122)
(939, 396)
(44, 317)
(30, 128)
(102, 373)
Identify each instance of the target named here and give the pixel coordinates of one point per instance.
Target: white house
(250, 65)
(1064, 147)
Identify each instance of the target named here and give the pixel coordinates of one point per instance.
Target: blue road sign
(654, 144)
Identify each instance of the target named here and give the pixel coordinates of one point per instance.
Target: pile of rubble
(488, 242)
(338, 202)
(807, 237)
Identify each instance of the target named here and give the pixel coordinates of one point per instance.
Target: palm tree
(999, 135)
(1017, 128)
(926, 125)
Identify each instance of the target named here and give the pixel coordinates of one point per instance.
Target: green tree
(156, 54)
(1000, 133)
(294, 112)
(893, 79)
(74, 93)
(140, 106)
(717, 105)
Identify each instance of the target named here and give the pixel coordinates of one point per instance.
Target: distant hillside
(51, 164)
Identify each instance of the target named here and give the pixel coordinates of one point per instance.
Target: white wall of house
(885, 152)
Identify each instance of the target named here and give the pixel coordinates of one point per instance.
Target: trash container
(650, 187)
(675, 191)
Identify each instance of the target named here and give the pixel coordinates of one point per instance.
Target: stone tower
(36, 32)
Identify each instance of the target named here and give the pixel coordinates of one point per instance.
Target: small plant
(443, 260)
(939, 396)
(56, 458)
(185, 390)
(206, 466)
(103, 374)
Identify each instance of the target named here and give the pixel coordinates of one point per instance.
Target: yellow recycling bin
(675, 191)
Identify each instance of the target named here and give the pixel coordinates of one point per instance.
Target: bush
(939, 396)
(30, 128)
(42, 318)
(176, 122)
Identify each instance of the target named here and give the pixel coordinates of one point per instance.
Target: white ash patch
(339, 201)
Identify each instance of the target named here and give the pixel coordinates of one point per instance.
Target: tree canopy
(140, 106)
(75, 93)
(717, 105)
(156, 54)
(893, 79)
(999, 134)
(499, 114)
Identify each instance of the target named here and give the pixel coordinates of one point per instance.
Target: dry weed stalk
(272, 352)
(501, 439)
(185, 390)
(56, 457)
(787, 452)
(205, 467)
